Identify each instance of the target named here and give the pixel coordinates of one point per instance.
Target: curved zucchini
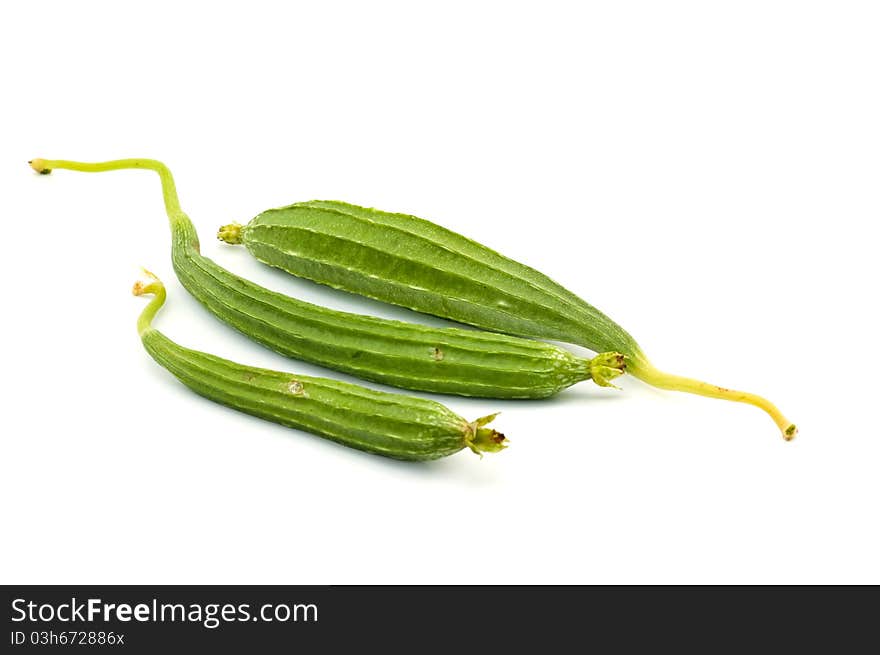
(407, 355)
(392, 425)
(408, 261)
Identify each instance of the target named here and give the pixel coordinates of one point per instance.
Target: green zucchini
(387, 424)
(408, 261)
(440, 360)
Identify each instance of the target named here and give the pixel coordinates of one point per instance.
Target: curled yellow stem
(656, 378)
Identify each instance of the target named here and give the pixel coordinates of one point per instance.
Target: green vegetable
(440, 360)
(414, 263)
(383, 423)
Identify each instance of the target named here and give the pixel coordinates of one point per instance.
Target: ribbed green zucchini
(408, 261)
(383, 423)
(407, 355)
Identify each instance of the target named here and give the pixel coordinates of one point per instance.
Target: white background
(706, 173)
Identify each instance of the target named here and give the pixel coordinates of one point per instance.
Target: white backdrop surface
(705, 173)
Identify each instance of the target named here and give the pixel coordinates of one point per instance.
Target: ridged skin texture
(411, 356)
(408, 261)
(386, 424)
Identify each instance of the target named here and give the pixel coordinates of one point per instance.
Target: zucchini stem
(230, 234)
(646, 372)
(152, 285)
(607, 366)
(481, 439)
(169, 190)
